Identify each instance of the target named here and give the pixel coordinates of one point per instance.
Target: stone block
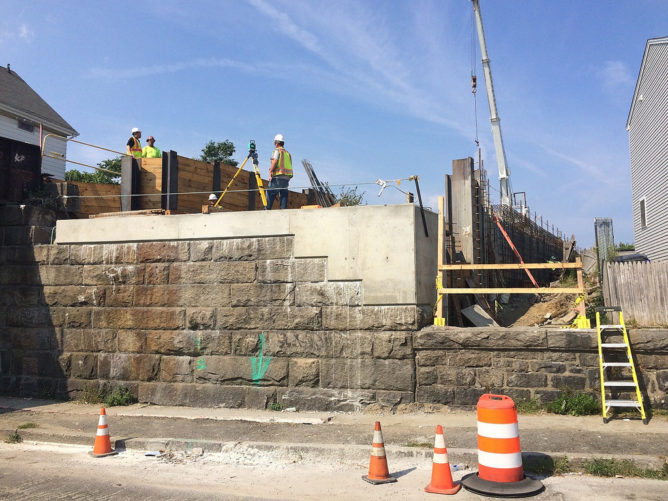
(426, 376)
(176, 370)
(58, 254)
(60, 275)
(115, 295)
(572, 340)
(32, 316)
(86, 254)
(21, 296)
(262, 294)
(183, 295)
(392, 345)
(588, 359)
(517, 394)
(72, 317)
(304, 372)
(465, 358)
(157, 273)
(593, 378)
(394, 398)
(237, 249)
(329, 294)
(83, 366)
(139, 318)
(480, 338)
(31, 338)
(65, 364)
(526, 380)
(546, 396)
(489, 378)
(558, 356)
(16, 235)
(131, 341)
(259, 398)
(162, 252)
(242, 370)
(369, 317)
(431, 358)
(275, 247)
(21, 254)
(466, 397)
(201, 250)
(119, 253)
(119, 274)
(455, 376)
(88, 340)
(211, 273)
(200, 318)
(275, 271)
(279, 317)
(547, 367)
(662, 380)
(320, 399)
(572, 382)
(352, 344)
(131, 367)
(40, 254)
(367, 374)
(649, 340)
(310, 269)
(651, 361)
(435, 394)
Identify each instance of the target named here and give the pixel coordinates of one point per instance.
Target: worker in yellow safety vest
(151, 151)
(280, 173)
(134, 146)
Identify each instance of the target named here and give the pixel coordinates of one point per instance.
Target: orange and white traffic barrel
(500, 470)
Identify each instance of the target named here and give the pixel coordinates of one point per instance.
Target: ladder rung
(613, 345)
(622, 403)
(612, 326)
(616, 364)
(619, 383)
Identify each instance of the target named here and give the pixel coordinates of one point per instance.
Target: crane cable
(474, 80)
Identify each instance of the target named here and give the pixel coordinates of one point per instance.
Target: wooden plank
(512, 290)
(439, 299)
(511, 266)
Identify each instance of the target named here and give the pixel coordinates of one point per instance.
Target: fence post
(130, 180)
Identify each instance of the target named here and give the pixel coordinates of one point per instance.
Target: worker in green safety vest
(280, 173)
(151, 151)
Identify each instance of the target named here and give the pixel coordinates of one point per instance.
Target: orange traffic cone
(378, 471)
(441, 477)
(102, 445)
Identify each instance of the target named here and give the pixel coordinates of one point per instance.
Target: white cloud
(615, 76)
(157, 69)
(26, 33)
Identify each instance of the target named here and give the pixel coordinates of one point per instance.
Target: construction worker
(213, 199)
(151, 151)
(134, 146)
(280, 173)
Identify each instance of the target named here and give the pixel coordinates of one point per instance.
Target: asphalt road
(48, 471)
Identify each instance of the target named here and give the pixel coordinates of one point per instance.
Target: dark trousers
(279, 187)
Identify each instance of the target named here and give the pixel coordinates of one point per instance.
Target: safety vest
(136, 149)
(151, 152)
(284, 164)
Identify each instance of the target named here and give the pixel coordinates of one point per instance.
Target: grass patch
(418, 444)
(25, 426)
(575, 404)
(561, 466)
(624, 467)
(14, 438)
(275, 406)
(104, 394)
(530, 406)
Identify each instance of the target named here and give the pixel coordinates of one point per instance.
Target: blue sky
(363, 89)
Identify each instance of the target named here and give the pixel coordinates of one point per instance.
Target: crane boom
(504, 172)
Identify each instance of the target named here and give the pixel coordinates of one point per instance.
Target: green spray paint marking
(198, 342)
(260, 364)
(201, 365)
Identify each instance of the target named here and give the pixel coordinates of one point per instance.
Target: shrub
(575, 404)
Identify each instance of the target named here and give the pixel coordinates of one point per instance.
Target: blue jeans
(279, 187)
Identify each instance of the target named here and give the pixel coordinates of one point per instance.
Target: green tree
(112, 164)
(221, 152)
(349, 197)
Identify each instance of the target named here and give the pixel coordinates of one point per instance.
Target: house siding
(10, 130)
(648, 143)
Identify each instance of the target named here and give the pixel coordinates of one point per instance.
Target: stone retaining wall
(242, 323)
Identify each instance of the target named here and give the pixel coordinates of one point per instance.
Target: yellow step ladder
(609, 354)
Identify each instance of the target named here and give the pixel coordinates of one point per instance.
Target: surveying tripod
(252, 153)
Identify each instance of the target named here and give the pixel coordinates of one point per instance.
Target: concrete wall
(383, 247)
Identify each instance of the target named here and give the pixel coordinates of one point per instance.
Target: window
(25, 125)
(643, 213)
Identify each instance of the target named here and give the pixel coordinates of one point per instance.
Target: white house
(648, 141)
(26, 117)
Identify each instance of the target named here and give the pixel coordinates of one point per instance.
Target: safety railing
(60, 156)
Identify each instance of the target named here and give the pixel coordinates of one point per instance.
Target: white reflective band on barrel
(492, 460)
(439, 443)
(440, 458)
(378, 451)
(498, 430)
(377, 437)
(103, 420)
(102, 431)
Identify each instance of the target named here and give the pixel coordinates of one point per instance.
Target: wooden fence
(641, 289)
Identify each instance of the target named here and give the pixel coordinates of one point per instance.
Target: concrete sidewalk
(545, 439)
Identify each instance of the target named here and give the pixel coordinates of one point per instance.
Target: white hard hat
(135, 130)
(213, 197)
(279, 138)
